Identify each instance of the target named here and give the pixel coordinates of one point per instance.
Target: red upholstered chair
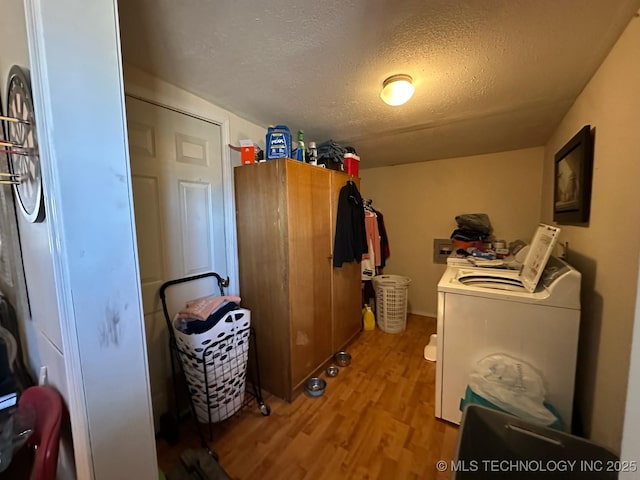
(48, 407)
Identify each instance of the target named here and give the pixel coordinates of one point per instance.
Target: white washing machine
(532, 314)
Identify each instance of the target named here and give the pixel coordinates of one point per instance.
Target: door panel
(346, 287)
(149, 236)
(196, 226)
(141, 139)
(191, 150)
(309, 269)
(176, 169)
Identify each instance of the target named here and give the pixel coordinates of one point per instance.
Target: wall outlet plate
(442, 248)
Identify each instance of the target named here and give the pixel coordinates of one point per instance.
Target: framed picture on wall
(572, 179)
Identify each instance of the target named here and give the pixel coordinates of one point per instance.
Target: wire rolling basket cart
(220, 365)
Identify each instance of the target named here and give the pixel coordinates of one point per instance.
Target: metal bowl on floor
(342, 359)
(332, 371)
(315, 386)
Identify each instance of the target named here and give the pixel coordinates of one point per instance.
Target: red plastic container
(352, 163)
(247, 154)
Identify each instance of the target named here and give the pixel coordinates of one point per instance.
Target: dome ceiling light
(397, 90)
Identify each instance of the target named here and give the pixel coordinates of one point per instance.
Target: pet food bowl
(332, 370)
(342, 359)
(315, 386)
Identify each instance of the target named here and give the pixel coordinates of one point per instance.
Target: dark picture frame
(572, 179)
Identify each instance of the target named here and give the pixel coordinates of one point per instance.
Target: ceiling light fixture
(397, 90)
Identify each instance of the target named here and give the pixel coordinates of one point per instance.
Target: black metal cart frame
(175, 353)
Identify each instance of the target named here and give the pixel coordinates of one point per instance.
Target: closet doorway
(177, 179)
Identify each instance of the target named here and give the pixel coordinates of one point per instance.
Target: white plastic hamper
(392, 293)
(225, 348)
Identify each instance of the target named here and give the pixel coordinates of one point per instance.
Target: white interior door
(176, 169)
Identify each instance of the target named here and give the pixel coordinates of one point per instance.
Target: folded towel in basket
(191, 326)
(202, 308)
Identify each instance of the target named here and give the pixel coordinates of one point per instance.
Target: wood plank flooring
(375, 421)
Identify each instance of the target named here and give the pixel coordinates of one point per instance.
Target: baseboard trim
(423, 314)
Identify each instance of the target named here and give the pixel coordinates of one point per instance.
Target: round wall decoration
(24, 158)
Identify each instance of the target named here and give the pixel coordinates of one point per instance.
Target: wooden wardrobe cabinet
(303, 309)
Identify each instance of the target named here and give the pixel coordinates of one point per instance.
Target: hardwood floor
(375, 421)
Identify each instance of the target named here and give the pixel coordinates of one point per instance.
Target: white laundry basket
(392, 292)
(215, 365)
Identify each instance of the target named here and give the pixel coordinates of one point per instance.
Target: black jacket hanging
(351, 238)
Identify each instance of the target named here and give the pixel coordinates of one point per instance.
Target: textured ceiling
(490, 75)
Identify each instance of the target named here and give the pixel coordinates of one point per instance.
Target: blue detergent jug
(278, 142)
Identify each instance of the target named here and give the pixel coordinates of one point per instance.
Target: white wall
(141, 84)
(77, 78)
(420, 201)
(34, 237)
(40, 326)
(606, 251)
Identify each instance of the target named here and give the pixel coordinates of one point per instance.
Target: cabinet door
(261, 219)
(308, 197)
(346, 284)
